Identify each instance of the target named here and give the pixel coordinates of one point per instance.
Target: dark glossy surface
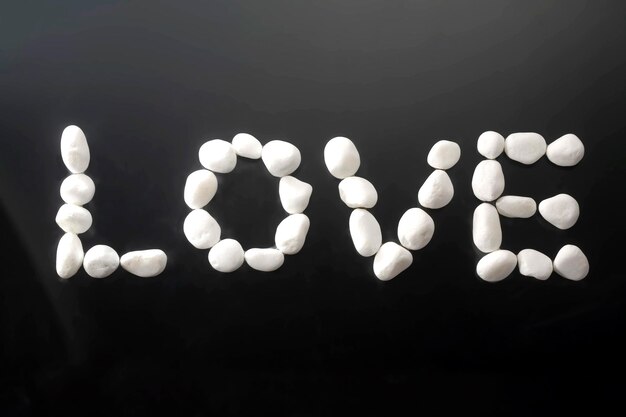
(149, 82)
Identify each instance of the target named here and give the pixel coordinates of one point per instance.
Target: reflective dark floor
(149, 82)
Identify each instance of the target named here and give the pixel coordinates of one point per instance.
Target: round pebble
(391, 260)
(200, 188)
(490, 144)
(226, 256)
(526, 148)
(415, 229)
(73, 219)
(201, 229)
(101, 261)
(265, 260)
(74, 149)
(341, 157)
(69, 255)
(365, 232)
(294, 194)
(444, 154)
(562, 211)
(357, 192)
(516, 207)
(144, 263)
(571, 263)
(218, 155)
(532, 263)
(291, 233)
(496, 266)
(437, 191)
(77, 189)
(247, 146)
(486, 230)
(281, 158)
(566, 151)
(488, 180)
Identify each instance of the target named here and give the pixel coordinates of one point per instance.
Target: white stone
(571, 263)
(444, 154)
(247, 146)
(562, 210)
(144, 263)
(265, 260)
(291, 233)
(488, 180)
(200, 188)
(391, 260)
(357, 192)
(73, 219)
(490, 144)
(294, 194)
(516, 207)
(486, 230)
(532, 263)
(566, 151)
(101, 261)
(226, 256)
(526, 147)
(218, 156)
(496, 266)
(341, 157)
(415, 229)
(69, 255)
(74, 149)
(280, 158)
(365, 232)
(201, 229)
(77, 189)
(437, 191)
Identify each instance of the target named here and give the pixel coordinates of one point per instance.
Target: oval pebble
(77, 189)
(218, 156)
(437, 191)
(74, 149)
(73, 219)
(562, 211)
(496, 266)
(265, 260)
(390, 260)
(532, 263)
(144, 263)
(488, 180)
(365, 232)
(247, 146)
(201, 229)
(294, 194)
(571, 263)
(526, 147)
(291, 233)
(341, 157)
(69, 255)
(280, 158)
(101, 261)
(566, 151)
(490, 144)
(226, 256)
(415, 229)
(357, 192)
(444, 154)
(486, 230)
(200, 188)
(516, 207)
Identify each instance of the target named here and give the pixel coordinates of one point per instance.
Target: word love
(415, 229)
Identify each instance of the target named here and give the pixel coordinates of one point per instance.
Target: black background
(150, 81)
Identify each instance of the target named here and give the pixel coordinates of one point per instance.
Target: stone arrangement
(562, 210)
(200, 228)
(415, 228)
(77, 190)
